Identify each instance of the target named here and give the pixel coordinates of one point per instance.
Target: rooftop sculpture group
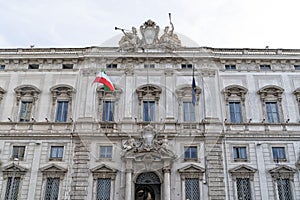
(150, 37)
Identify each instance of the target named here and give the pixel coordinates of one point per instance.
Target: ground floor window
(192, 190)
(12, 188)
(103, 189)
(52, 189)
(243, 188)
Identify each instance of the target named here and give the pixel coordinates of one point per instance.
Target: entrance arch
(148, 187)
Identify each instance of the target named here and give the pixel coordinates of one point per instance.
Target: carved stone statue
(130, 41)
(169, 39)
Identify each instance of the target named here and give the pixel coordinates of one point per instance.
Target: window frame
(272, 117)
(105, 154)
(190, 112)
(277, 159)
(265, 67)
(234, 116)
(190, 157)
(27, 113)
(13, 152)
(239, 159)
(55, 157)
(108, 110)
(186, 66)
(230, 67)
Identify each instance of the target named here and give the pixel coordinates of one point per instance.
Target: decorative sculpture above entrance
(150, 38)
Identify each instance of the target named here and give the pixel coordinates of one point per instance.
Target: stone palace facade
(62, 137)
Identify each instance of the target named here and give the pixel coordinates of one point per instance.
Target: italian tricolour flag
(105, 80)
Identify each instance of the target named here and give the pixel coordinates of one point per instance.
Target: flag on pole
(194, 98)
(105, 80)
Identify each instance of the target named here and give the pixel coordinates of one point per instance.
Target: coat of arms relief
(150, 38)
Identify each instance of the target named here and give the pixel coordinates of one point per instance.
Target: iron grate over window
(52, 189)
(192, 190)
(12, 188)
(103, 189)
(284, 189)
(243, 188)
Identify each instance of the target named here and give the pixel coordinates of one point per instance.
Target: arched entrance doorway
(147, 187)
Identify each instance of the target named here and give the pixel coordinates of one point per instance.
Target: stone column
(128, 184)
(167, 184)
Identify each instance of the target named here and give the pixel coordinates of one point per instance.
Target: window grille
(106, 152)
(272, 112)
(52, 189)
(284, 189)
(108, 111)
(243, 188)
(18, 152)
(235, 112)
(192, 190)
(188, 112)
(25, 111)
(103, 189)
(62, 111)
(148, 111)
(12, 188)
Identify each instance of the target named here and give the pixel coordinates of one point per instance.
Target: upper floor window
(272, 112)
(297, 67)
(190, 152)
(67, 66)
(108, 103)
(27, 97)
(62, 111)
(56, 152)
(148, 111)
(148, 97)
(62, 96)
(106, 151)
(111, 66)
(18, 152)
(235, 112)
(188, 112)
(240, 153)
(33, 66)
(25, 111)
(186, 66)
(278, 154)
(230, 67)
(271, 97)
(235, 96)
(2, 67)
(265, 67)
(149, 66)
(108, 111)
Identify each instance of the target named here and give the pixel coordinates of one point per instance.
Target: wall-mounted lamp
(9, 119)
(250, 120)
(287, 121)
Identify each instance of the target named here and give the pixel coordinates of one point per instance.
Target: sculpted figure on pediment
(130, 41)
(169, 39)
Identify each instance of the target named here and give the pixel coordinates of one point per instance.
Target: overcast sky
(212, 23)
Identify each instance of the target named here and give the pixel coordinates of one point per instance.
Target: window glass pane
(12, 188)
(235, 112)
(243, 188)
(57, 152)
(148, 110)
(62, 111)
(52, 189)
(18, 152)
(103, 189)
(106, 152)
(190, 152)
(108, 111)
(272, 112)
(278, 153)
(25, 111)
(192, 190)
(240, 152)
(188, 112)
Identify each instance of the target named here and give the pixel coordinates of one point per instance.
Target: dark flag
(194, 98)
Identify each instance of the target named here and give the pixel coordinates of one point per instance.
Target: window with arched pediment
(108, 103)
(235, 96)
(26, 101)
(271, 97)
(187, 110)
(297, 95)
(148, 102)
(62, 96)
